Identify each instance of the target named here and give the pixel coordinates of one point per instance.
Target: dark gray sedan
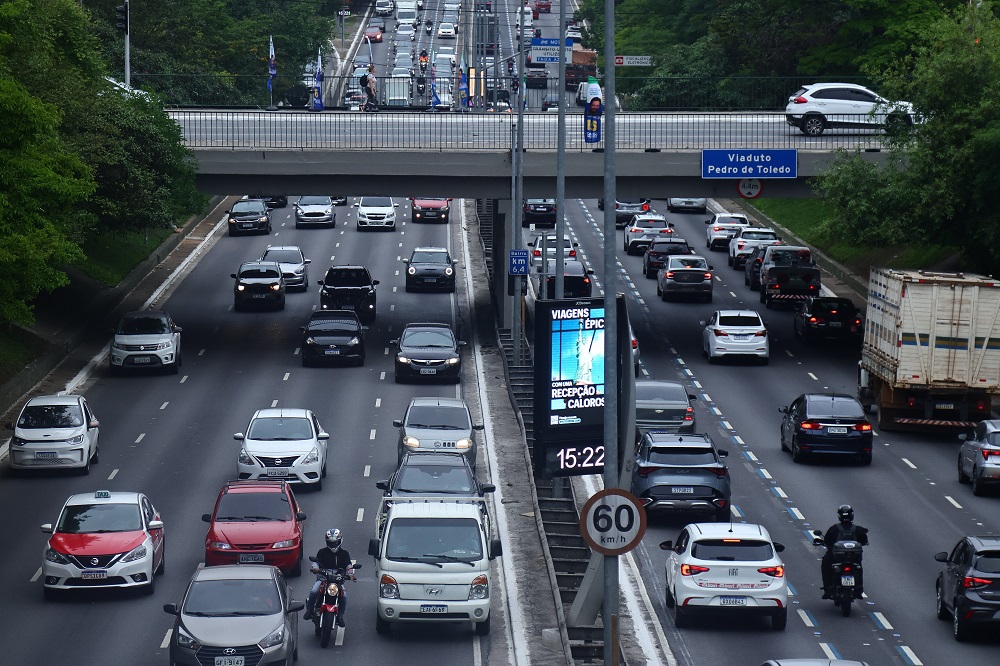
(676, 473)
(663, 405)
(685, 275)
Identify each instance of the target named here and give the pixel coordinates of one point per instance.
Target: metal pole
(561, 156)
(515, 225)
(609, 613)
(342, 32)
(519, 190)
(128, 57)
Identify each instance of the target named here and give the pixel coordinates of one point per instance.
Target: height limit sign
(613, 521)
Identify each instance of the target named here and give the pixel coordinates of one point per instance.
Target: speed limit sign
(613, 521)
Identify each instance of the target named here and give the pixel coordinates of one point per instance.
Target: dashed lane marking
(382, 375)
(139, 438)
(952, 501)
(361, 514)
(164, 405)
(796, 513)
(727, 425)
(763, 473)
(739, 440)
(368, 471)
(184, 379)
(371, 435)
(829, 651)
(296, 352)
(378, 402)
(735, 511)
(749, 454)
(36, 576)
(201, 353)
(881, 621)
(287, 375)
(113, 474)
(909, 656)
(908, 463)
(716, 411)
(806, 618)
(165, 643)
(789, 353)
(813, 376)
(779, 492)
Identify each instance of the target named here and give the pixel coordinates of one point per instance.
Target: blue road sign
(547, 50)
(518, 264)
(749, 163)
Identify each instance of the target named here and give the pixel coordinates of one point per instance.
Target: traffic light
(121, 17)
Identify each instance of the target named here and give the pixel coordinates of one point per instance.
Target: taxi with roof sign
(103, 539)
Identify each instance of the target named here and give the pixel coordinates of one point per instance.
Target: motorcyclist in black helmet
(844, 530)
(334, 556)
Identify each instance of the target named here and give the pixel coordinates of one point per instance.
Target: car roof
(283, 247)
(235, 572)
(280, 412)
(444, 508)
(820, 86)
(145, 313)
(730, 530)
(350, 266)
(334, 315)
(984, 542)
(261, 264)
(573, 267)
(430, 249)
(431, 325)
(830, 396)
(117, 497)
(66, 399)
(658, 437)
(731, 313)
(436, 401)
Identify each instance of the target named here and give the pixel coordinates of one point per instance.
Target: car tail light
(689, 415)
(645, 206)
(692, 569)
(810, 425)
(847, 568)
(668, 230)
(776, 571)
(719, 333)
(987, 454)
(716, 228)
(971, 582)
(708, 276)
(815, 320)
(635, 343)
(586, 280)
(721, 472)
(800, 100)
(644, 470)
(572, 253)
(857, 322)
(669, 275)
(761, 333)
(863, 427)
(911, 402)
(537, 253)
(833, 312)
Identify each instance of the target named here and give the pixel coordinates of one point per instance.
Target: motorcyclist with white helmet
(333, 556)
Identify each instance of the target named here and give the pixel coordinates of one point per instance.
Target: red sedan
(373, 33)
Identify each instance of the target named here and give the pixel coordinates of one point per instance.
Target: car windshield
(348, 277)
(433, 479)
(253, 507)
(424, 338)
(739, 320)
(732, 550)
(988, 562)
(315, 201)
(790, 257)
(438, 416)
(841, 407)
(689, 262)
(646, 392)
(681, 455)
(248, 207)
(91, 518)
(51, 416)
(143, 326)
(759, 235)
(280, 428)
(670, 248)
(376, 202)
(434, 540)
(731, 219)
(283, 256)
(424, 257)
(232, 598)
(259, 273)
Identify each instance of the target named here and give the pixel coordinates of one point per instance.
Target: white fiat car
(726, 566)
(55, 431)
(284, 445)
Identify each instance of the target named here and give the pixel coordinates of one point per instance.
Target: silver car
(735, 333)
(146, 339)
(283, 444)
(979, 457)
(55, 431)
(688, 203)
(311, 210)
(436, 425)
(292, 262)
(663, 405)
(235, 614)
(685, 275)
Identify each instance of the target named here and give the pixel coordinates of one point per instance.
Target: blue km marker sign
(518, 264)
(749, 163)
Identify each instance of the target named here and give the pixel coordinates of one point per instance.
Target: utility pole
(121, 22)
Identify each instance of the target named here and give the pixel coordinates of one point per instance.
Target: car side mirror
(397, 423)
(496, 548)
(302, 328)
(708, 221)
(308, 261)
(295, 606)
(723, 453)
(963, 436)
(323, 435)
(395, 205)
(229, 212)
(488, 488)
(319, 282)
(94, 423)
(47, 528)
(356, 205)
(941, 557)
(711, 268)
(477, 426)
(156, 524)
(394, 341)
(454, 262)
(232, 275)
(779, 547)
(692, 396)
(666, 545)
(374, 282)
(171, 609)
(300, 516)
(382, 485)
(783, 410)
(238, 436)
(373, 547)
(206, 517)
(590, 271)
(178, 329)
(702, 323)
(10, 425)
(461, 343)
(406, 261)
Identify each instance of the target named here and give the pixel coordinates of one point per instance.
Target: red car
(543, 6)
(430, 210)
(373, 33)
(255, 522)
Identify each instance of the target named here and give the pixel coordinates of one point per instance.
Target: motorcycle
(421, 85)
(429, 26)
(328, 601)
(423, 63)
(847, 572)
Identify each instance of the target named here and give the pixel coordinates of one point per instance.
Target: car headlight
(240, 287)
(444, 209)
(480, 588)
(55, 556)
(186, 640)
(310, 340)
(119, 345)
(354, 341)
(402, 359)
(164, 345)
(137, 553)
(449, 271)
(276, 637)
(388, 589)
(391, 215)
(261, 220)
(219, 545)
(299, 270)
(244, 458)
(464, 443)
(312, 458)
(328, 211)
(362, 214)
(287, 543)
(275, 287)
(453, 361)
(411, 442)
(18, 441)
(78, 439)
(411, 270)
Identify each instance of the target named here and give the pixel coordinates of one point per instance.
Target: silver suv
(979, 457)
(817, 107)
(292, 262)
(437, 425)
(146, 339)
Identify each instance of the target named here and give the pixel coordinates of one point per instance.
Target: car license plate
(347, 307)
(733, 601)
(277, 471)
(94, 575)
(140, 359)
(430, 279)
(247, 226)
(682, 490)
(847, 581)
(332, 352)
(46, 454)
(741, 338)
(428, 608)
(251, 558)
(836, 324)
(428, 371)
(260, 295)
(230, 661)
(837, 430)
(945, 405)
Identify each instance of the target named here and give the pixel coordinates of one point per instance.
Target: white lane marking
(274, 403)
(739, 440)
(201, 353)
(905, 649)
(113, 474)
(908, 463)
(726, 425)
(164, 405)
(378, 402)
(795, 512)
(813, 376)
(392, 307)
(139, 438)
(707, 397)
(789, 353)
(36, 576)
(287, 375)
(696, 384)
(680, 361)
(764, 473)
(828, 651)
(339, 640)
(382, 376)
(332, 257)
(296, 352)
(953, 502)
(165, 643)
(184, 379)
(805, 618)
(361, 514)
(394, 289)
(736, 512)
(372, 435)
(397, 272)
(780, 492)
(881, 620)
(368, 471)
(731, 293)
(716, 411)
(385, 352)
(750, 454)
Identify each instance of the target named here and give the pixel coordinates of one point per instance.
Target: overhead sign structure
(613, 521)
(518, 262)
(633, 61)
(749, 163)
(750, 188)
(547, 50)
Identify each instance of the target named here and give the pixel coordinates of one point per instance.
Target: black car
(551, 101)
(827, 317)
(249, 216)
(576, 280)
(539, 211)
(434, 474)
(428, 351)
(968, 590)
(824, 424)
(430, 268)
(751, 269)
(675, 473)
(258, 283)
(349, 288)
(657, 252)
(333, 335)
(377, 22)
(273, 201)
(537, 78)
(626, 209)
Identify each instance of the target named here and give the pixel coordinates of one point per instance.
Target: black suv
(657, 252)
(576, 280)
(349, 288)
(828, 316)
(273, 200)
(539, 211)
(968, 590)
(333, 335)
(249, 216)
(258, 283)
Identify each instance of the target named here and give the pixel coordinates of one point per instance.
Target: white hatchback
(735, 333)
(726, 567)
(285, 445)
(56, 431)
(376, 213)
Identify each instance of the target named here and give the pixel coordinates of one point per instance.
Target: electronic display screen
(576, 377)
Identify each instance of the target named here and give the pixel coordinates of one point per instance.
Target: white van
(406, 12)
(526, 14)
(432, 561)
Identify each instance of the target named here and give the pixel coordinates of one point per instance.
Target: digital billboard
(576, 377)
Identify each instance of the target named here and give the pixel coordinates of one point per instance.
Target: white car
(722, 566)
(55, 431)
(735, 333)
(102, 540)
(446, 31)
(405, 31)
(284, 445)
(746, 240)
(376, 213)
(722, 227)
(146, 339)
(688, 203)
(536, 245)
(817, 107)
(640, 232)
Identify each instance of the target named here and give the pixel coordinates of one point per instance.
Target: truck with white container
(931, 350)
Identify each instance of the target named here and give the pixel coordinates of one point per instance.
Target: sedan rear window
(650, 224)
(847, 408)
(689, 262)
(670, 248)
(51, 416)
(434, 479)
(681, 455)
(829, 307)
(732, 550)
(759, 235)
(645, 392)
(739, 320)
(988, 562)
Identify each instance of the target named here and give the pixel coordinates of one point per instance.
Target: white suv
(56, 431)
(821, 106)
(146, 339)
(722, 227)
(726, 566)
(283, 444)
(742, 245)
(643, 228)
(376, 213)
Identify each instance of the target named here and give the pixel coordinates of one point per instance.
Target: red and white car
(429, 210)
(103, 539)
